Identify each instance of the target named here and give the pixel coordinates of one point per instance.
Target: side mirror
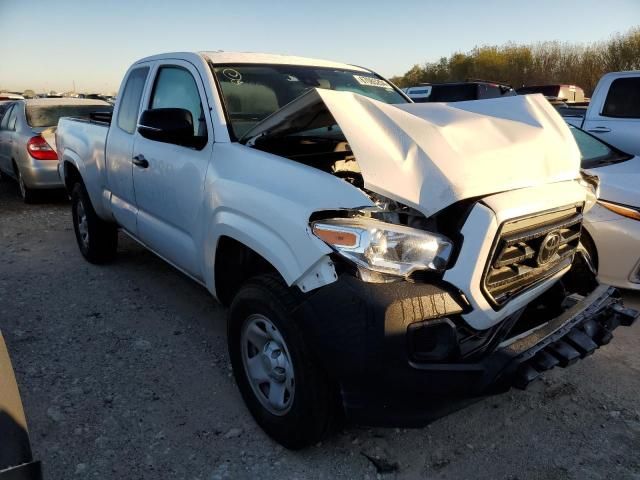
(168, 125)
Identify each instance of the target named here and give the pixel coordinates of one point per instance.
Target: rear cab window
(623, 98)
(47, 115)
(131, 96)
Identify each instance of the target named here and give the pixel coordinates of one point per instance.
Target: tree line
(535, 64)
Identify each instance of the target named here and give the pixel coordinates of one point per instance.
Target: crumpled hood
(431, 155)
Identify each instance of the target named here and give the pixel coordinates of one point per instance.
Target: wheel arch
(71, 175)
(240, 247)
(234, 264)
(589, 243)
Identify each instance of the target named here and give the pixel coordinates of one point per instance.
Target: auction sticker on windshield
(372, 82)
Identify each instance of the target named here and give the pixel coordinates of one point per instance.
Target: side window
(623, 99)
(493, 92)
(130, 101)
(13, 116)
(5, 118)
(175, 87)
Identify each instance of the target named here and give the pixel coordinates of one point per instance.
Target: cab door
(169, 178)
(617, 120)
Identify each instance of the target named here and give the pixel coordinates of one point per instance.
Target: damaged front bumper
(399, 350)
(586, 325)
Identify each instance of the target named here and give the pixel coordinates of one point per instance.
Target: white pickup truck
(613, 114)
(377, 255)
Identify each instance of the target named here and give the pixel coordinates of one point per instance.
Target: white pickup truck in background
(376, 254)
(613, 114)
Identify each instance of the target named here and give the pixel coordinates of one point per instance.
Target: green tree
(539, 63)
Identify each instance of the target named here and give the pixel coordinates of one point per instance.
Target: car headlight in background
(385, 248)
(624, 210)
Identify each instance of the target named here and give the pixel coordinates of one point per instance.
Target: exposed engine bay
(328, 150)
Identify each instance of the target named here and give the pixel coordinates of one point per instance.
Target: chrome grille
(529, 250)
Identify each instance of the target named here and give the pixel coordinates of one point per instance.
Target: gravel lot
(124, 374)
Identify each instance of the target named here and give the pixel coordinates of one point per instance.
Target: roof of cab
(220, 57)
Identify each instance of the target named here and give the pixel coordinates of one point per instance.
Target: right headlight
(384, 247)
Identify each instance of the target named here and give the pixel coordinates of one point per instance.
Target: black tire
(100, 243)
(580, 278)
(27, 194)
(313, 410)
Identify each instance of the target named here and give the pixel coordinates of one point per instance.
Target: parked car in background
(459, 91)
(376, 254)
(419, 94)
(10, 96)
(613, 114)
(27, 140)
(4, 105)
(612, 236)
(558, 92)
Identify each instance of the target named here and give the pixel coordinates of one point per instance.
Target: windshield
(48, 115)
(595, 153)
(253, 92)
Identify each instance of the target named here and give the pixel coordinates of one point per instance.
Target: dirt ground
(124, 374)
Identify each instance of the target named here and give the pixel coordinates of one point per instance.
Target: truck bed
(83, 142)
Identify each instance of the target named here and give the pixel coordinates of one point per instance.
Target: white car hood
(620, 182)
(431, 155)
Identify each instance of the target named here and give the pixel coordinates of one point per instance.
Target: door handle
(140, 161)
(599, 130)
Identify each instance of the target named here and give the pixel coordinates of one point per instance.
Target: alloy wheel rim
(21, 185)
(83, 227)
(267, 364)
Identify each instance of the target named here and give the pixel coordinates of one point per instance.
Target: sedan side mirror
(168, 125)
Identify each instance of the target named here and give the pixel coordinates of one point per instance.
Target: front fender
(292, 252)
(265, 202)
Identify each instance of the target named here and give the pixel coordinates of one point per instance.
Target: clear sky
(50, 44)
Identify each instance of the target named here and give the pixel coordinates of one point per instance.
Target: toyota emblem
(549, 247)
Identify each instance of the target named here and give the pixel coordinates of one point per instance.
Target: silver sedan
(27, 140)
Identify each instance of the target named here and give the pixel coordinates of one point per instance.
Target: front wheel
(97, 239)
(285, 389)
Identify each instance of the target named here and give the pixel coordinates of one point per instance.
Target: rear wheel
(97, 239)
(27, 194)
(285, 389)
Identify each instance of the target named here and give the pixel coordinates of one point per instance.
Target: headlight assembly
(383, 247)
